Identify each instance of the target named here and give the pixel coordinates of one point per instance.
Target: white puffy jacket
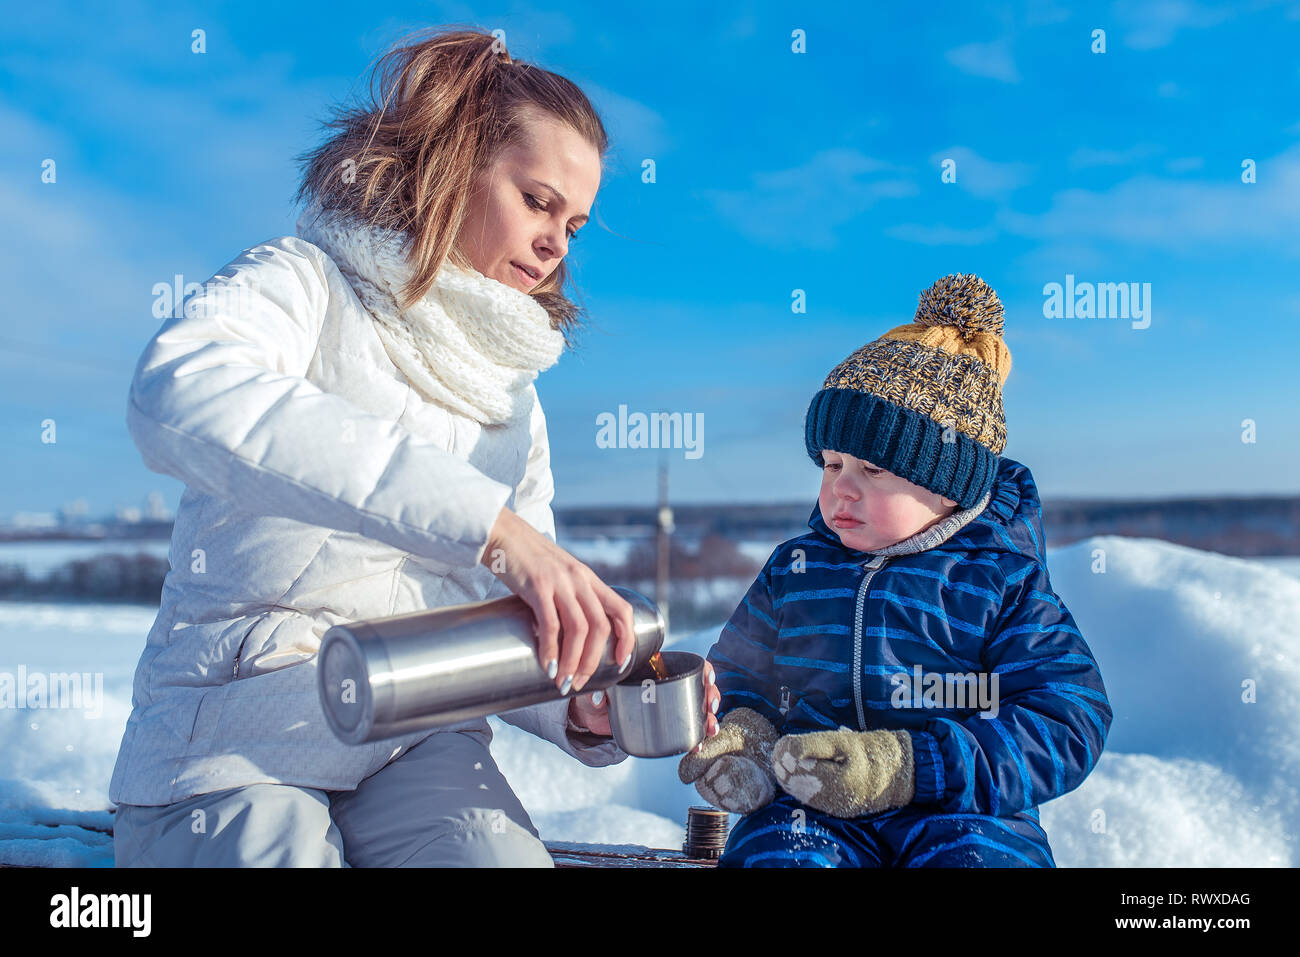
(320, 489)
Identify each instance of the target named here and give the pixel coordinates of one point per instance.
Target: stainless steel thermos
(389, 676)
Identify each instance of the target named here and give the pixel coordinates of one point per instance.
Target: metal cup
(656, 718)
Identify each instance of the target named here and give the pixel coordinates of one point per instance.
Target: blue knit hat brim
(901, 441)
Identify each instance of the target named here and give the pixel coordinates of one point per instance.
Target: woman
(353, 412)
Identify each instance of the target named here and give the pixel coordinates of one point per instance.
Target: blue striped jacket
(922, 629)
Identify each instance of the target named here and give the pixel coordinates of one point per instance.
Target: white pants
(443, 803)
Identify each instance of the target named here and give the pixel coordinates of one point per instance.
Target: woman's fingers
(712, 699)
(547, 624)
(573, 619)
(710, 730)
(709, 705)
(597, 637)
(619, 610)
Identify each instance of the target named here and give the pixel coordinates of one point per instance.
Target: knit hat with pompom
(924, 401)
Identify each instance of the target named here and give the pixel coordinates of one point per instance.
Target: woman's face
(525, 208)
(869, 508)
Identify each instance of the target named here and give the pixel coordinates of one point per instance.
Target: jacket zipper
(872, 567)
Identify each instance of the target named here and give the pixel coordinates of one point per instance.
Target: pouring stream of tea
(660, 669)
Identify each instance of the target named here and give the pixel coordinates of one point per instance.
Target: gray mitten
(847, 773)
(733, 769)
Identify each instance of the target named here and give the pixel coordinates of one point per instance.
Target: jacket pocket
(239, 652)
(419, 585)
(276, 640)
(206, 718)
(397, 580)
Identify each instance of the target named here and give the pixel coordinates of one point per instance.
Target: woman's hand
(591, 711)
(563, 594)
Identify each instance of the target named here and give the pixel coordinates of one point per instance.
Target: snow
(599, 548)
(615, 550)
(758, 551)
(1290, 564)
(1195, 772)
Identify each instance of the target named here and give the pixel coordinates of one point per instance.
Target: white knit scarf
(471, 343)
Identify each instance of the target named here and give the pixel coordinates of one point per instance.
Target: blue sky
(775, 171)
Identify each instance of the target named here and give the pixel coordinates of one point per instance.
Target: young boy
(902, 687)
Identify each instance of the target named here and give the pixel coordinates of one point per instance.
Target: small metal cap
(706, 832)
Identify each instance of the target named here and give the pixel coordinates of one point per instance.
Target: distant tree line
(704, 584)
(702, 579)
(109, 577)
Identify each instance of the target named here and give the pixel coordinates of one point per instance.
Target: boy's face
(869, 508)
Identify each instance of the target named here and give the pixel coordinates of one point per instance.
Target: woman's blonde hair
(449, 102)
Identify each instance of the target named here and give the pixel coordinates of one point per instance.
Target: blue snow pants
(786, 833)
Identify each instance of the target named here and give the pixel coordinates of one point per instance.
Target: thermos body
(390, 676)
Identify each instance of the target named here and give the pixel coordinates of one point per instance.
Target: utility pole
(662, 542)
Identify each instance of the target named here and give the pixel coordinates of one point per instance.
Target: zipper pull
(785, 699)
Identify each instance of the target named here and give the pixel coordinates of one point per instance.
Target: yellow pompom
(963, 300)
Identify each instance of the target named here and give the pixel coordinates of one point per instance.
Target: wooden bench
(567, 854)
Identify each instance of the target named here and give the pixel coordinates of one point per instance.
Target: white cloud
(1086, 156)
(145, 178)
(1148, 26)
(802, 205)
(1051, 342)
(982, 177)
(1083, 228)
(529, 31)
(991, 60)
(1050, 261)
(635, 130)
(69, 249)
(1044, 12)
(942, 235)
(1182, 215)
(741, 28)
